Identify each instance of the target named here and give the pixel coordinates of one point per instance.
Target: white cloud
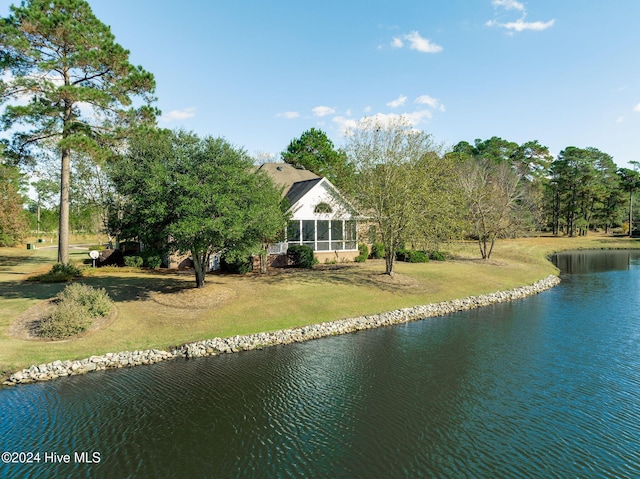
(178, 115)
(430, 101)
(401, 100)
(289, 115)
(519, 25)
(416, 42)
(637, 108)
(508, 4)
(323, 111)
(620, 119)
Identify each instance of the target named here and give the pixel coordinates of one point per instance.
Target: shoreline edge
(233, 344)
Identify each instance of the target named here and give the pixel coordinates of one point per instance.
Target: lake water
(543, 387)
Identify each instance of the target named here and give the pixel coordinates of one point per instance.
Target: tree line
(84, 117)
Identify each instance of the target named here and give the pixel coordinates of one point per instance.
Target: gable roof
(286, 176)
(297, 182)
(299, 189)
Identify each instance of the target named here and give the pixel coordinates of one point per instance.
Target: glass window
(308, 231)
(336, 231)
(350, 235)
(293, 232)
(337, 245)
(323, 246)
(323, 208)
(323, 230)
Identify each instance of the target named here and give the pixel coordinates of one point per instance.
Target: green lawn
(232, 304)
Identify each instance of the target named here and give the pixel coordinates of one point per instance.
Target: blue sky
(565, 73)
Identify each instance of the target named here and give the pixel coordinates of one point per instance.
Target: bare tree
(495, 200)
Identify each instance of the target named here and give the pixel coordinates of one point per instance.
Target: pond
(548, 386)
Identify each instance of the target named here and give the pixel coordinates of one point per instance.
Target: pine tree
(70, 88)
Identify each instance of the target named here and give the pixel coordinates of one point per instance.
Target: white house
(321, 217)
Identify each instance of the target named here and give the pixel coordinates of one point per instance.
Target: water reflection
(594, 261)
(543, 387)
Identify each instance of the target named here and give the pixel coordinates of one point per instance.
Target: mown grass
(254, 303)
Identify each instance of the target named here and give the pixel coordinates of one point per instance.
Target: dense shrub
(77, 305)
(364, 253)
(377, 251)
(236, 265)
(95, 301)
(67, 319)
(301, 256)
(437, 256)
(153, 261)
(133, 261)
(65, 269)
(59, 273)
(412, 256)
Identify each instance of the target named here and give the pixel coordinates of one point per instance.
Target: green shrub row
(412, 256)
(133, 261)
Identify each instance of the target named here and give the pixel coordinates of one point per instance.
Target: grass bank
(162, 309)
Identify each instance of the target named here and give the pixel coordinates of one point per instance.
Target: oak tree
(199, 196)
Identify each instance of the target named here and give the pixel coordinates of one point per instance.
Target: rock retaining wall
(211, 347)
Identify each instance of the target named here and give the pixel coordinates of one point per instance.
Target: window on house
(350, 235)
(323, 235)
(293, 232)
(323, 208)
(337, 236)
(309, 233)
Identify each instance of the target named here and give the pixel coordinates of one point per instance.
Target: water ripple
(544, 387)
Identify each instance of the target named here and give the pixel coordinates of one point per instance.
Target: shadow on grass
(11, 261)
(341, 275)
(121, 288)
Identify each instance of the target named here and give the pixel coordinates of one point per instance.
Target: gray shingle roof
(296, 181)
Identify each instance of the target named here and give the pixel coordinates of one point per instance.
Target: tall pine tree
(69, 87)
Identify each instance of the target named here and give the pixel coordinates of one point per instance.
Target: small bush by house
(301, 256)
(364, 253)
(133, 261)
(377, 251)
(438, 255)
(153, 261)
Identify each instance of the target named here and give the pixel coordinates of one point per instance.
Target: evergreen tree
(315, 152)
(197, 196)
(13, 224)
(70, 85)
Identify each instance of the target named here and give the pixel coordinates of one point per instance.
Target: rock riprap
(211, 347)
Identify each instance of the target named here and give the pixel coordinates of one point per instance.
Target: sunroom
(323, 235)
(321, 217)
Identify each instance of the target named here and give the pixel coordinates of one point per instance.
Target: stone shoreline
(212, 347)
